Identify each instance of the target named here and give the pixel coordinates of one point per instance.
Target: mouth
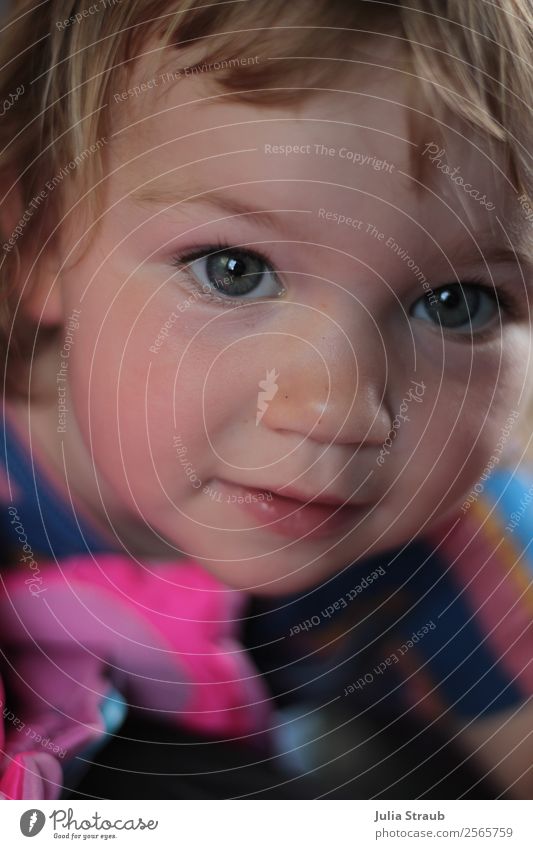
(292, 515)
(330, 500)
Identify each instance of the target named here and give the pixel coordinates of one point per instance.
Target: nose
(331, 381)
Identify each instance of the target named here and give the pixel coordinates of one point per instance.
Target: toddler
(266, 279)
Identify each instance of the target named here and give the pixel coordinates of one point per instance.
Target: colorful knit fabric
(441, 627)
(86, 636)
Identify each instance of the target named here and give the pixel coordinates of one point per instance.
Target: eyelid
(507, 293)
(504, 293)
(185, 257)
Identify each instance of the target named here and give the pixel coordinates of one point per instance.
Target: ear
(41, 291)
(33, 266)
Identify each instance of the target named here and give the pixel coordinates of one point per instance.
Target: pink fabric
(163, 635)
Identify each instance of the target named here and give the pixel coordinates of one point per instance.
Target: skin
(342, 337)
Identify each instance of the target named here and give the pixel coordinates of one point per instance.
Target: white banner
(266, 824)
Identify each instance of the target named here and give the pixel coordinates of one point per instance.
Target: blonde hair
(475, 55)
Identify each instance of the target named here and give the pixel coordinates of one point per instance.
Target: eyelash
(182, 259)
(505, 296)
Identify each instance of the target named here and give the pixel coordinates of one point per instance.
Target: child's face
(324, 370)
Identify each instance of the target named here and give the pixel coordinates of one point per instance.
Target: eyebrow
(486, 249)
(177, 197)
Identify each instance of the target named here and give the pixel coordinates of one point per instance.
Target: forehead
(368, 142)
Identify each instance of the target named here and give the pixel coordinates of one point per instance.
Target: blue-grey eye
(236, 273)
(459, 307)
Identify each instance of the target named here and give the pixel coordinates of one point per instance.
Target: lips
(292, 516)
(293, 494)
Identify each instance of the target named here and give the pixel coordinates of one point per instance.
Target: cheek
(206, 375)
(472, 392)
(145, 370)
(452, 434)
